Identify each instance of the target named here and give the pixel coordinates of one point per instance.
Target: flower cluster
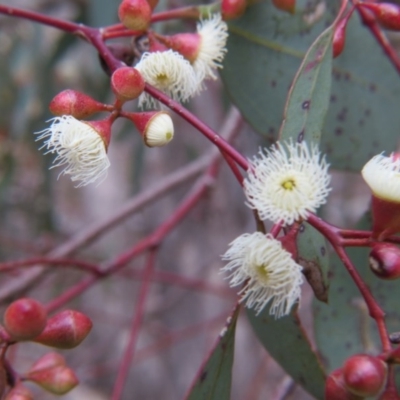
(180, 71)
(284, 184)
(268, 272)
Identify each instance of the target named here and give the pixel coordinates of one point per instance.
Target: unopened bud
(127, 83)
(25, 319)
(49, 360)
(57, 380)
(135, 14)
(19, 392)
(65, 330)
(285, 5)
(339, 37)
(386, 14)
(335, 388)
(231, 9)
(384, 260)
(156, 127)
(77, 104)
(187, 44)
(364, 375)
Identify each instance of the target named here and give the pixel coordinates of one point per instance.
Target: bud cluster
(26, 320)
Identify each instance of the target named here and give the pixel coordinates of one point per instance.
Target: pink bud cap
(387, 14)
(25, 319)
(187, 44)
(231, 9)
(19, 392)
(335, 388)
(103, 128)
(57, 380)
(135, 14)
(339, 37)
(77, 104)
(285, 5)
(384, 260)
(49, 360)
(127, 83)
(364, 375)
(65, 330)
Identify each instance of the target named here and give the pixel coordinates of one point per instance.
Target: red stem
(147, 243)
(221, 143)
(332, 233)
(129, 352)
(369, 20)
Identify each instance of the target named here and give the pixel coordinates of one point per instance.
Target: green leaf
(309, 95)
(286, 341)
(314, 257)
(265, 48)
(213, 381)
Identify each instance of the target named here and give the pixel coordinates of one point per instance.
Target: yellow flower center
(289, 184)
(162, 78)
(168, 136)
(262, 272)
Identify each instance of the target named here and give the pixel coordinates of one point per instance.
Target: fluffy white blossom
(267, 271)
(287, 182)
(213, 34)
(169, 72)
(160, 130)
(382, 175)
(79, 148)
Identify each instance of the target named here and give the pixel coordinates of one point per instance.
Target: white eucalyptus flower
(169, 72)
(267, 271)
(79, 148)
(213, 35)
(382, 174)
(159, 130)
(287, 182)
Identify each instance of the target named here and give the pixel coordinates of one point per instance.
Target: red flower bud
(135, 14)
(335, 388)
(285, 5)
(339, 37)
(127, 83)
(387, 14)
(57, 380)
(384, 260)
(77, 104)
(65, 330)
(231, 9)
(25, 319)
(19, 392)
(187, 44)
(364, 375)
(49, 360)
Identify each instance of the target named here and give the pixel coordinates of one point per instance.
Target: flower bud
(339, 37)
(335, 388)
(387, 14)
(127, 83)
(49, 360)
(231, 9)
(156, 127)
(384, 260)
(135, 14)
(19, 392)
(381, 175)
(57, 380)
(187, 44)
(77, 104)
(65, 330)
(285, 5)
(25, 319)
(364, 375)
